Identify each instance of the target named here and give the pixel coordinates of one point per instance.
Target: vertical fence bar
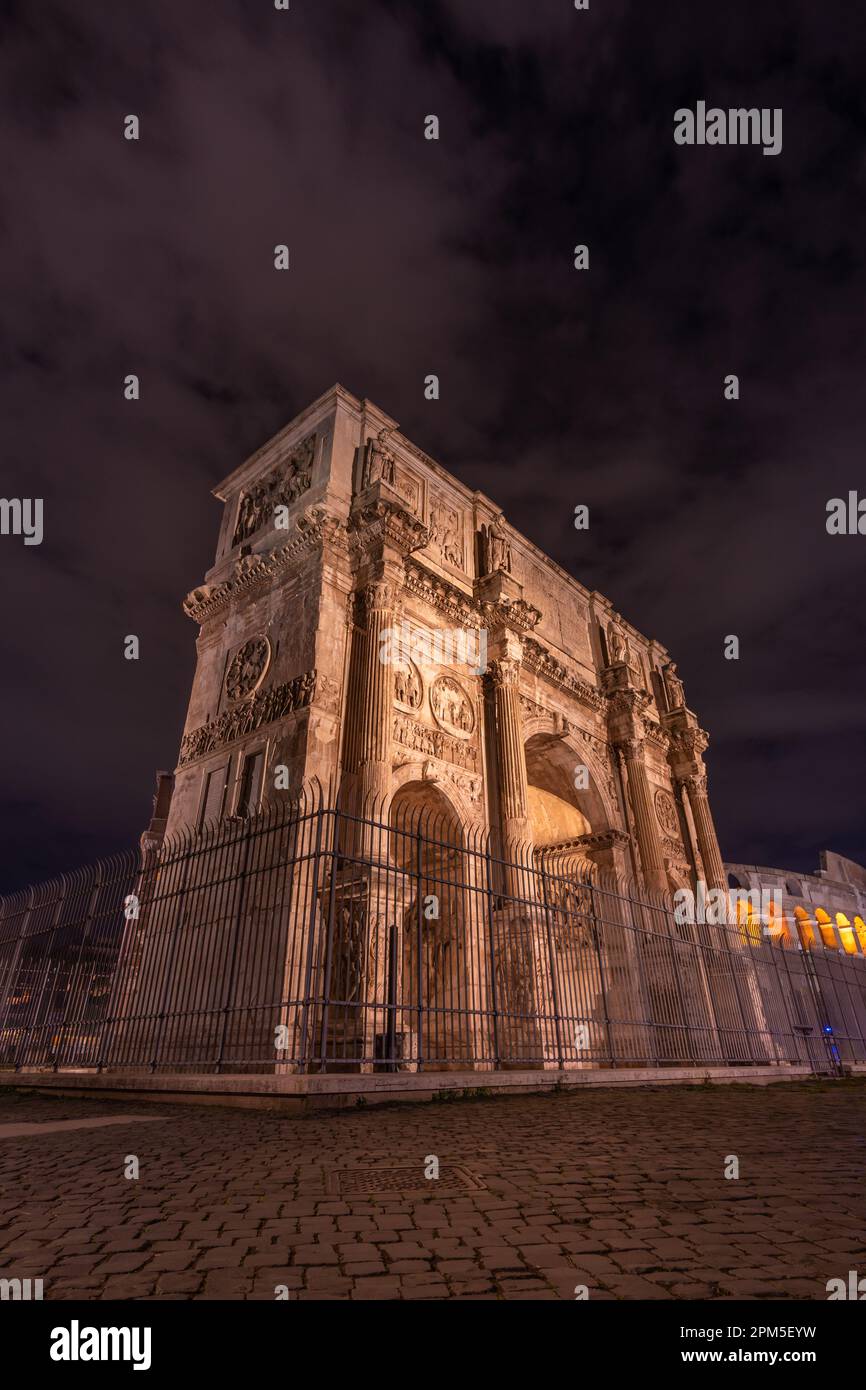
(491, 925)
(230, 986)
(554, 982)
(329, 944)
(419, 953)
(313, 879)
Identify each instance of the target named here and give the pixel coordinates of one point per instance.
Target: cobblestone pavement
(623, 1191)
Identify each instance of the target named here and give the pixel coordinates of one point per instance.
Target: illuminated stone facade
(515, 700)
(825, 909)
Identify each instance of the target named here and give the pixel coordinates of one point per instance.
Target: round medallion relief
(247, 668)
(667, 813)
(452, 707)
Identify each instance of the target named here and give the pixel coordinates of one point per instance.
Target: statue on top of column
(617, 645)
(673, 687)
(380, 461)
(496, 547)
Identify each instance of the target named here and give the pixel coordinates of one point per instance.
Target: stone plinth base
(316, 1092)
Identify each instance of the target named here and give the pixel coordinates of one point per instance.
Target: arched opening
(434, 988)
(860, 929)
(554, 820)
(846, 934)
(777, 928)
(825, 927)
(564, 800)
(805, 929)
(749, 921)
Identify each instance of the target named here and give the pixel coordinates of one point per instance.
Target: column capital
(686, 750)
(380, 593)
(504, 673)
(633, 748)
(695, 783)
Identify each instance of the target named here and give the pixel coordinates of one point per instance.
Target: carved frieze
(434, 742)
(282, 486)
(264, 707)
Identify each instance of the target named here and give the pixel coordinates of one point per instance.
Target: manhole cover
(372, 1182)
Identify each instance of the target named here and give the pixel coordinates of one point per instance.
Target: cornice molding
(538, 659)
(315, 528)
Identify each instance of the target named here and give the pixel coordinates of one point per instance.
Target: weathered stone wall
(339, 532)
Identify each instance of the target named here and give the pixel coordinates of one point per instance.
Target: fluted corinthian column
(374, 693)
(520, 948)
(646, 826)
(708, 844)
(515, 825)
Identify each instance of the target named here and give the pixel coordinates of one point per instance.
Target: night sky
(412, 257)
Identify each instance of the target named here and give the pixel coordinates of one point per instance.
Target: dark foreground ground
(623, 1192)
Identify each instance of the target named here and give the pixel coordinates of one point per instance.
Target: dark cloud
(410, 257)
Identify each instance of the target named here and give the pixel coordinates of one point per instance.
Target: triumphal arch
(372, 623)
(495, 736)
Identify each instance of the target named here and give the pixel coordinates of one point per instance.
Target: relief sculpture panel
(452, 707)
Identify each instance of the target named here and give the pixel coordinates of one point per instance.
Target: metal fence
(311, 938)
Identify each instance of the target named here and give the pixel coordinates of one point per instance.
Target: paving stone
(637, 1209)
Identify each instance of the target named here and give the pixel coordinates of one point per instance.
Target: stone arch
(434, 921)
(824, 923)
(551, 759)
(427, 774)
(805, 929)
(846, 934)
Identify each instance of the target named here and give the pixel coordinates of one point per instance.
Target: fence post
(391, 1006)
(329, 943)
(551, 954)
(73, 974)
(9, 983)
(821, 1010)
(676, 940)
(733, 958)
(303, 1063)
(497, 1061)
(604, 1004)
(172, 946)
(785, 994)
(419, 971)
(242, 892)
(49, 966)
